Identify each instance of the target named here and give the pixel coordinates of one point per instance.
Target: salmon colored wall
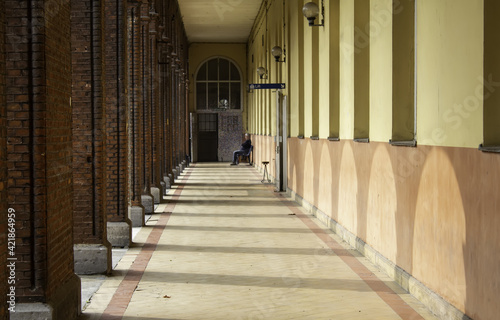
(263, 150)
(433, 211)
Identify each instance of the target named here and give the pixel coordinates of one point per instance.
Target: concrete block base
(163, 188)
(156, 193)
(32, 311)
(168, 183)
(65, 304)
(171, 179)
(92, 258)
(147, 203)
(119, 234)
(175, 173)
(136, 215)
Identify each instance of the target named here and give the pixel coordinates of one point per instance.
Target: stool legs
(265, 173)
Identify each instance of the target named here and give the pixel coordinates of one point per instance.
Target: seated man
(245, 147)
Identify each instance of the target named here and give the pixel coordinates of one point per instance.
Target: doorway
(207, 137)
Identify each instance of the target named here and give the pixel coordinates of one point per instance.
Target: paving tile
(228, 247)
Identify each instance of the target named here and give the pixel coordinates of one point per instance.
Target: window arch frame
(218, 81)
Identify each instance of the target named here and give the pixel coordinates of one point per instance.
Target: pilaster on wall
(92, 250)
(39, 156)
(403, 73)
(361, 70)
(491, 117)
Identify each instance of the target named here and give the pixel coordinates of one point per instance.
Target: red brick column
(185, 67)
(161, 97)
(168, 110)
(39, 156)
(157, 185)
(3, 174)
(117, 143)
(172, 60)
(165, 95)
(135, 113)
(92, 250)
(175, 113)
(145, 79)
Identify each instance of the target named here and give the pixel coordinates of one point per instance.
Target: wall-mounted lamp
(276, 51)
(261, 71)
(311, 12)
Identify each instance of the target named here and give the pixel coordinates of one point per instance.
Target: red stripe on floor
(391, 298)
(121, 299)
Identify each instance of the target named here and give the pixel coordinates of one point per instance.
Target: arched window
(218, 85)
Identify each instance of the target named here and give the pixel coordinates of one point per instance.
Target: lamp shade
(310, 11)
(276, 51)
(261, 71)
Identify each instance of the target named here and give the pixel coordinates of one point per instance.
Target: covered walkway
(226, 246)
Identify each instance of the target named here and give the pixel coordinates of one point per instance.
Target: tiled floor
(226, 246)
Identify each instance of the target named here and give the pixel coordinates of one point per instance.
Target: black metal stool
(265, 163)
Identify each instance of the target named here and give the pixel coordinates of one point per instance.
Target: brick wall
(39, 149)
(156, 174)
(179, 90)
(88, 121)
(52, 136)
(172, 64)
(135, 101)
(26, 146)
(147, 92)
(3, 172)
(116, 112)
(58, 157)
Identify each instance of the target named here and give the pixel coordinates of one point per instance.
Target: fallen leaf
(167, 296)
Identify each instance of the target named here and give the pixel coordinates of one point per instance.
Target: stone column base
(167, 181)
(92, 258)
(119, 234)
(64, 304)
(156, 193)
(136, 215)
(148, 203)
(163, 188)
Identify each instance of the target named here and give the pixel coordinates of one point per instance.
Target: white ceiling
(219, 20)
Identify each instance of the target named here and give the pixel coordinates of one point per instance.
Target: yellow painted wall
(295, 65)
(346, 69)
(200, 52)
(380, 70)
(323, 78)
(450, 72)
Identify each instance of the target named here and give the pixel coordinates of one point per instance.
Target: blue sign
(253, 86)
